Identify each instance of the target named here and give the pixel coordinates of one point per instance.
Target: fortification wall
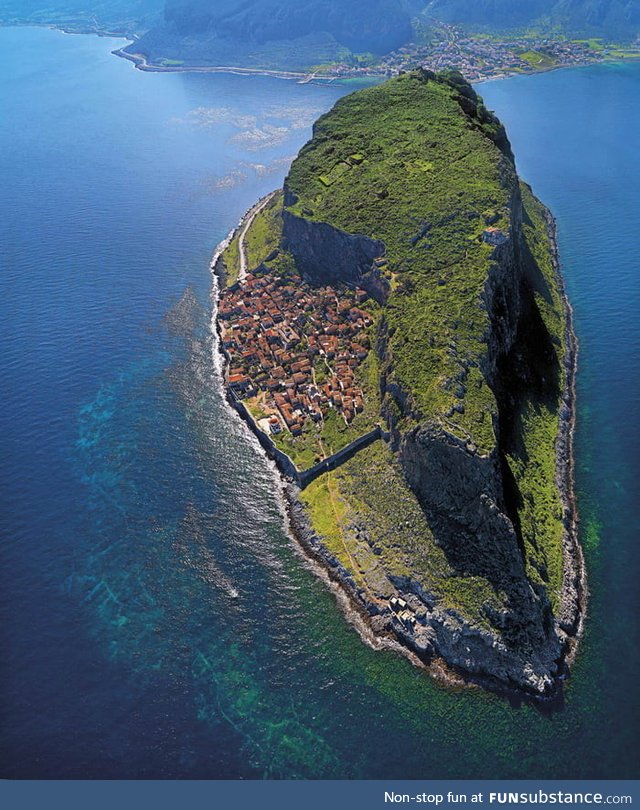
(334, 461)
(285, 465)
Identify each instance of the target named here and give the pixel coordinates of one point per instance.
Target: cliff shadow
(475, 518)
(529, 379)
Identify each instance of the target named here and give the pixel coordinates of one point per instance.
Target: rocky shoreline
(376, 627)
(573, 608)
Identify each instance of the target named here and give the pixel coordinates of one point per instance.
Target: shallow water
(158, 620)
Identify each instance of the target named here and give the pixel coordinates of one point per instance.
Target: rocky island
(397, 335)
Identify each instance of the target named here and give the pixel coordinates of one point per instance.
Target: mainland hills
(304, 35)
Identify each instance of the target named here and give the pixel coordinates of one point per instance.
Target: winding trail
(251, 215)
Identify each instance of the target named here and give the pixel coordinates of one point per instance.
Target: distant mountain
(303, 34)
(122, 15)
(360, 25)
(613, 18)
(294, 33)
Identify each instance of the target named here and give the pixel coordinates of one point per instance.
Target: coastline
(140, 62)
(198, 508)
(575, 587)
(305, 541)
(378, 630)
(554, 68)
(66, 28)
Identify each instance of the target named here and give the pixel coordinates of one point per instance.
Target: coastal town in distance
(481, 56)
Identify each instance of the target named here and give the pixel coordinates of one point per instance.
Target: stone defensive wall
(307, 476)
(284, 463)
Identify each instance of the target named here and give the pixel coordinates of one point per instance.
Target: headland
(402, 347)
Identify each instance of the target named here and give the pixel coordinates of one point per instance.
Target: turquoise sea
(155, 618)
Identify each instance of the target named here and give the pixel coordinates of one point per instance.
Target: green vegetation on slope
(428, 182)
(332, 433)
(231, 259)
(263, 237)
(613, 18)
(372, 523)
(280, 34)
(532, 458)
(317, 441)
(419, 164)
(428, 178)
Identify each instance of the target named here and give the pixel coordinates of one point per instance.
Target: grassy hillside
(360, 25)
(429, 180)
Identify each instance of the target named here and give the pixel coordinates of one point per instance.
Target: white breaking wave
(215, 290)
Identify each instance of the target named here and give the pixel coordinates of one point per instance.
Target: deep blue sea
(156, 619)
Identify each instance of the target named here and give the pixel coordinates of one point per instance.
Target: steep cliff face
(472, 344)
(326, 254)
(462, 487)
(467, 494)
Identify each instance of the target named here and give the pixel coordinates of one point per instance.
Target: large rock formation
(475, 363)
(326, 254)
